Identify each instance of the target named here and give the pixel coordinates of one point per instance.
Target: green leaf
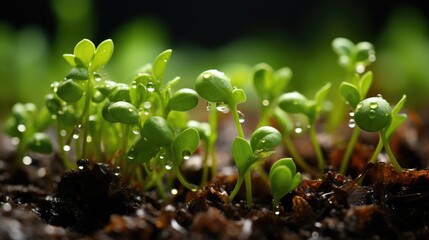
(281, 81)
(178, 120)
(364, 51)
(239, 95)
(296, 180)
(350, 94)
(364, 84)
(265, 139)
(288, 162)
(262, 80)
(185, 144)
(84, 51)
(170, 84)
(40, 143)
(214, 86)
(183, 100)
(52, 103)
(157, 131)
(102, 55)
(124, 112)
(78, 73)
(321, 95)
(142, 152)
(398, 107)
(280, 181)
(343, 46)
(284, 120)
(242, 153)
(203, 129)
(69, 91)
(121, 92)
(160, 64)
(70, 59)
(294, 102)
(69, 116)
(107, 115)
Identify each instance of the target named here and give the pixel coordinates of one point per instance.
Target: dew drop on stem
(168, 166)
(298, 128)
(352, 123)
(241, 117)
(351, 114)
(88, 138)
(222, 107)
(208, 106)
(276, 209)
(66, 148)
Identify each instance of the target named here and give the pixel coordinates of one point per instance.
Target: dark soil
(93, 202)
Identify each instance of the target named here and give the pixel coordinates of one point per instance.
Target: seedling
(269, 86)
(245, 154)
(283, 180)
(375, 115)
(295, 102)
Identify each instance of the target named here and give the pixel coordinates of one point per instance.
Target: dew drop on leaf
(379, 95)
(351, 114)
(371, 114)
(265, 102)
(373, 105)
(132, 154)
(89, 138)
(359, 106)
(241, 117)
(168, 166)
(222, 107)
(63, 132)
(150, 87)
(136, 130)
(186, 155)
(207, 75)
(75, 136)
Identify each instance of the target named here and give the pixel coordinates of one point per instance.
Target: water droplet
(263, 140)
(89, 138)
(298, 130)
(371, 114)
(222, 107)
(132, 154)
(373, 105)
(150, 87)
(276, 209)
(165, 60)
(379, 95)
(21, 128)
(63, 132)
(352, 123)
(351, 114)
(241, 117)
(265, 102)
(75, 136)
(161, 156)
(66, 148)
(359, 106)
(208, 107)
(54, 116)
(174, 191)
(82, 163)
(41, 172)
(360, 68)
(27, 160)
(7, 207)
(207, 75)
(136, 130)
(97, 77)
(15, 141)
(147, 105)
(117, 171)
(169, 166)
(186, 155)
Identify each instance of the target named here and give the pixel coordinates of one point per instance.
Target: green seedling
(26, 125)
(295, 102)
(375, 115)
(353, 93)
(283, 180)
(245, 154)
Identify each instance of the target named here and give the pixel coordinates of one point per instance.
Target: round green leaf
(343, 46)
(78, 73)
(294, 102)
(280, 181)
(142, 152)
(124, 112)
(157, 131)
(350, 94)
(70, 59)
(287, 162)
(364, 52)
(84, 51)
(185, 144)
(183, 100)
(102, 55)
(120, 92)
(239, 95)
(107, 115)
(242, 154)
(40, 143)
(160, 64)
(214, 86)
(52, 104)
(265, 138)
(373, 114)
(69, 91)
(262, 80)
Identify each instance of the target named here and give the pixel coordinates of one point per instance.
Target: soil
(93, 202)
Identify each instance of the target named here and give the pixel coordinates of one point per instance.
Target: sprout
(374, 114)
(283, 179)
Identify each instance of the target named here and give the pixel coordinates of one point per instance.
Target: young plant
(375, 115)
(283, 180)
(269, 85)
(295, 102)
(245, 154)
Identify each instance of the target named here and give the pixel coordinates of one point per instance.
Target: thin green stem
(297, 157)
(205, 173)
(248, 182)
(318, 150)
(236, 117)
(183, 181)
(211, 145)
(236, 188)
(377, 151)
(349, 150)
(389, 152)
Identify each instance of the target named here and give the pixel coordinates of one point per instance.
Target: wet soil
(94, 202)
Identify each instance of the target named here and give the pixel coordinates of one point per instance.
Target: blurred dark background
(229, 35)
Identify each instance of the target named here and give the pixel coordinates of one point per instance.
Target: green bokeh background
(31, 55)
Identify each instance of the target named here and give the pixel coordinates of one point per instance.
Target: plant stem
(183, 181)
(297, 157)
(389, 152)
(236, 188)
(248, 182)
(377, 151)
(237, 123)
(318, 150)
(211, 145)
(204, 177)
(349, 150)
